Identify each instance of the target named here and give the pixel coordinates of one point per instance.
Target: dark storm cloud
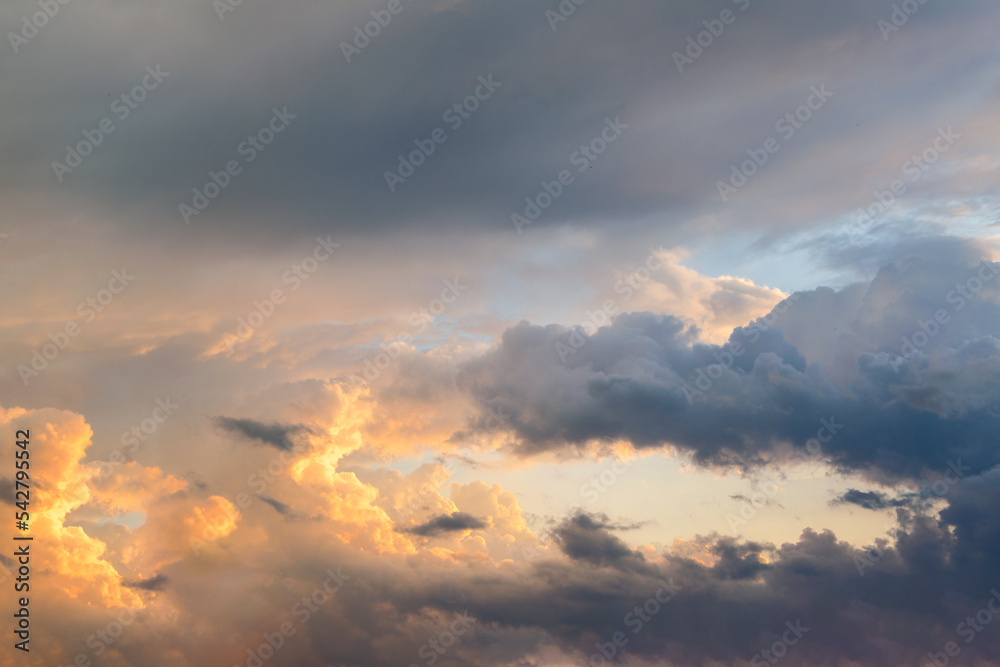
(739, 561)
(869, 500)
(587, 538)
(447, 523)
(972, 512)
(352, 121)
(874, 500)
(645, 379)
(275, 435)
(889, 603)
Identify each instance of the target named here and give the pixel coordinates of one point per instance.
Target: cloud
(646, 379)
(588, 539)
(279, 507)
(500, 154)
(869, 500)
(873, 500)
(157, 583)
(188, 521)
(895, 603)
(889, 605)
(276, 435)
(446, 523)
(715, 305)
(7, 490)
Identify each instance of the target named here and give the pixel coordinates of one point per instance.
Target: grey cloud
(157, 583)
(275, 435)
(447, 523)
(279, 507)
(588, 539)
(645, 379)
(874, 500)
(869, 500)
(7, 490)
(886, 605)
(326, 171)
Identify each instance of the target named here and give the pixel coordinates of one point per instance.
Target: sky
(501, 334)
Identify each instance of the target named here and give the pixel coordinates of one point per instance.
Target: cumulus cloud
(715, 305)
(646, 379)
(386, 501)
(725, 606)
